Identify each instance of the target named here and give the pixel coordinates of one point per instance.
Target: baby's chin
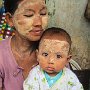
(52, 73)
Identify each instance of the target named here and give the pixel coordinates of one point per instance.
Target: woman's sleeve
(1, 76)
(1, 70)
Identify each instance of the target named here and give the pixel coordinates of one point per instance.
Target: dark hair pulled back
(11, 5)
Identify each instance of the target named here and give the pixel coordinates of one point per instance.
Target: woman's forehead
(24, 2)
(28, 5)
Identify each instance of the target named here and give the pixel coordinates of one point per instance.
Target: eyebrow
(29, 10)
(33, 10)
(43, 8)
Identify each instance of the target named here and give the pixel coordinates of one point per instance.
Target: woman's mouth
(37, 32)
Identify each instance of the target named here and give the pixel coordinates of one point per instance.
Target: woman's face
(30, 19)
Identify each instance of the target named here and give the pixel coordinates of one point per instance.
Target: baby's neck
(53, 74)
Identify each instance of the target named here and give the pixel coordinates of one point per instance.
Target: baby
(53, 54)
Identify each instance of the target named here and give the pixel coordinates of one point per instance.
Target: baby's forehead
(54, 46)
(54, 42)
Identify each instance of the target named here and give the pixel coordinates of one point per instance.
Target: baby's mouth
(50, 68)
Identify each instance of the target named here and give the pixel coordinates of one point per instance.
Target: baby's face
(53, 55)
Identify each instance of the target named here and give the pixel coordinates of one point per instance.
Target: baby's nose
(51, 60)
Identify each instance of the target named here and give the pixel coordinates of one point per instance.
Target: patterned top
(36, 81)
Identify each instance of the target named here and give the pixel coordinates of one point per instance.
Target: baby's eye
(58, 56)
(28, 15)
(44, 54)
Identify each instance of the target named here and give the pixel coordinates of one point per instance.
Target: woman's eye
(28, 15)
(43, 13)
(58, 56)
(45, 54)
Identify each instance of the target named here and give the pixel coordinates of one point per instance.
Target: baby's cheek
(40, 58)
(59, 66)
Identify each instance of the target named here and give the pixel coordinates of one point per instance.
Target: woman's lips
(37, 32)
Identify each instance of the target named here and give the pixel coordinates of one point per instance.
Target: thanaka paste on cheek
(21, 23)
(40, 2)
(23, 26)
(44, 22)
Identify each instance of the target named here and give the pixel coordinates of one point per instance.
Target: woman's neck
(21, 44)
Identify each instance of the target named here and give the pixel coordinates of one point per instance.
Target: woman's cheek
(44, 22)
(23, 26)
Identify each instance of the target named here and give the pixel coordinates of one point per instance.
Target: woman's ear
(9, 19)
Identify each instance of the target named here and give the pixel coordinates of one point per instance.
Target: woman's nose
(38, 21)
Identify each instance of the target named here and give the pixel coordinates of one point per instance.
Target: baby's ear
(69, 57)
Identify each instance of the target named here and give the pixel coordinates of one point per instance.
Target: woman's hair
(11, 5)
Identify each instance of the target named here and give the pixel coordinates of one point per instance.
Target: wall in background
(69, 15)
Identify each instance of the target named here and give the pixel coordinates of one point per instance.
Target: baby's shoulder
(36, 70)
(70, 74)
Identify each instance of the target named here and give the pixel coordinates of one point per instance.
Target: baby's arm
(74, 83)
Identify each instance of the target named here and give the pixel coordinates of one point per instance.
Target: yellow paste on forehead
(31, 2)
(54, 46)
(26, 3)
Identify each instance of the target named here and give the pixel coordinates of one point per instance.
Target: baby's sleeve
(74, 83)
(31, 82)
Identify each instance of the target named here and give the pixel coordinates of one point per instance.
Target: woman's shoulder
(5, 43)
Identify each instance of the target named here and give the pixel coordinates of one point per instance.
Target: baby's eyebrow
(58, 53)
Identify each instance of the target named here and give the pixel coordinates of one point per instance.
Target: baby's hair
(11, 5)
(55, 31)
